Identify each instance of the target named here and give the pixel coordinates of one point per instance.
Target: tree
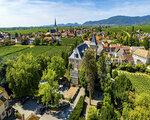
(114, 74)
(82, 78)
(37, 41)
(57, 64)
(3, 67)
(16, 35)
(106, 112)
(121, 88)
(23, 75)
(65, 56)
(49, 90)
(43, 62)
(92, 113)
(102, 70)
(142, 108)
(89, 62)
(146, 43)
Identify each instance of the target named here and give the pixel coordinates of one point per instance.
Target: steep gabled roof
(79, 51)
(93, 41)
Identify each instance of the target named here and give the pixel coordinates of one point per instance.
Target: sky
(15, 13)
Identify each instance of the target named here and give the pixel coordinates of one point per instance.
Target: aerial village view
(74, 60)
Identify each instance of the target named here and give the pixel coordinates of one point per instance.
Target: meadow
(140, 81)
(145, 28)
(11, 52)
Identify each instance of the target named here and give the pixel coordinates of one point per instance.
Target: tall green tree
(121, 88)
(57, 65)
(102, 71)
(92, 113)
(89, 62)
(48, 91)
(142, 108)
(23, 75)
(106, 112)
(146, 43)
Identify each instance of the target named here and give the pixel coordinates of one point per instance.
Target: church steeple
(55, 23)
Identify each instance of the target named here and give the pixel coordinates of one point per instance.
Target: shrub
(130, 68)
(140, 67)
(75, 115)
(114, 74)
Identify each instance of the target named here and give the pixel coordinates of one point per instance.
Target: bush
(130, 68)
(114, 74)
(133, 68)
(140, 67)
(75, 115)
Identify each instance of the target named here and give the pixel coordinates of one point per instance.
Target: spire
(55, 23)
(94, 40)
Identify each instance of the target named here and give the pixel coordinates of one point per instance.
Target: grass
(140, 81)
(145, 28)
(10, 52)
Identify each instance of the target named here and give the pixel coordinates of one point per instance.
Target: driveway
(31, 106)
(27, 108)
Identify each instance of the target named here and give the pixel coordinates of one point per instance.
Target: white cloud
(37, 12)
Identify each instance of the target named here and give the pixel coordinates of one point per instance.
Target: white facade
(137, 59)
(2, 112)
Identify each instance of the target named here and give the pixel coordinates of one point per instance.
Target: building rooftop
(142, 53)
(79, 51)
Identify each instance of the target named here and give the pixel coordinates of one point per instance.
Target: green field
(10, 52)
(30, 30)
(140, 81)
(145, 28)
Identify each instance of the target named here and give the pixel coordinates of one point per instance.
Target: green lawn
(140, 81)
(10, 52)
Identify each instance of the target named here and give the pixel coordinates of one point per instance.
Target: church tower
(55, 25)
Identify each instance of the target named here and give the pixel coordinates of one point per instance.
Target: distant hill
(120, 20)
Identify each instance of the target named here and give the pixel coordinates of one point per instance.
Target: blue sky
(43, 12)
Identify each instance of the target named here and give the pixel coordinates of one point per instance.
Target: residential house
(5, 109)
(141, 56)
(77, 56)
(75, 60)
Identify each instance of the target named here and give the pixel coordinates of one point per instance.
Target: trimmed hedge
(75, 115)
(133, 68)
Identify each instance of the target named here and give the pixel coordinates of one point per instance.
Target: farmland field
(9, 52)
(140, 81)
(145, 28)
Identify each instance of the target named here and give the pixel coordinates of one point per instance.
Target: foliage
(3, 67)
(11, 52)
(89, 62)
(146, 43)
(82, 79)
(114, 74)
(142, 108)
(77, 110)
(133, 68)
(37, 41)
(102, 71)
(65, 56)
(140, 81)
(23, 75)
(48, 91)
(106, 112)
(121, 88)
(57, 64)
(43, 61)
(92, 113)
